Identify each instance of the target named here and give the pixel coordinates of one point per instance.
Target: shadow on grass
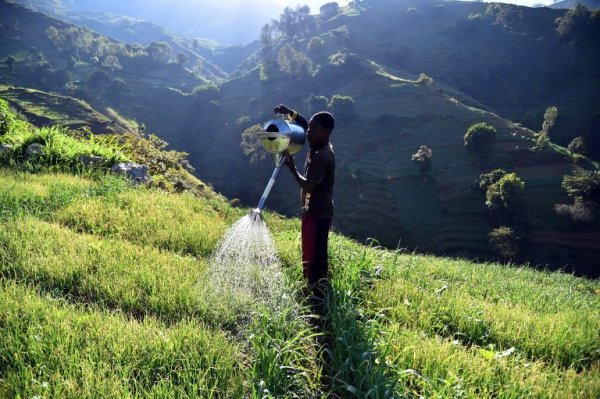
(353, 364)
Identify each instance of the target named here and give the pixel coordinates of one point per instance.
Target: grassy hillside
(105, 293)
(482, 58)
(379, 190)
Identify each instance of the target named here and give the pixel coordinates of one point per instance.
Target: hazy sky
(229, 22)
(316, 4)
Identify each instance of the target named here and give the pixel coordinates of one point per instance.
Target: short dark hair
(325, 119)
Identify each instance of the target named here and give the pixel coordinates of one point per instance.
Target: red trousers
(315, 233)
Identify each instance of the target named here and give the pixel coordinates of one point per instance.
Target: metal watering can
(280, 137)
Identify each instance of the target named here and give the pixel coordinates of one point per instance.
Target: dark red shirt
(319, 167)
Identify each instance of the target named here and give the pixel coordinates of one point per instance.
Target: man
(316, 193)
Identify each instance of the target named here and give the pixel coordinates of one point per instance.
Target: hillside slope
(372, 52)
(95, 304)
(114, 289)
(379, 191)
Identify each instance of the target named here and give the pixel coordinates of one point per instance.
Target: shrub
(342, 33)
(160, 51)
(480, 138)
(337, 59)
(10, 63)
(182, 58)
(423, 159)
(329, 9)
(487, 179)
(506, 197)
(97, 80)
(317, 103)
(293, 62)
(583, 185)
(315, 44)
(342, 105)
(582, 211)
(112, 62)
(577, 146)
(118, 86)
(251, 145)
(425, 79)
(6, 118)
(505, 241)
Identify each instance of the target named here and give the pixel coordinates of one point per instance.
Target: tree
(423, 159)
(577, 146)
(269, 33)
(292, 62)
(159, 51)
(329, 9)
(575, 22)
(111, 62)
(97, 80)
(425, 79)
(550, 117)
(182, 59)
(251, 144)
(315, 44)
(118, 86)
(480, 138)
(317, 103)
(543, 137)
(487, 179)
(296, 23)
(583, 185)
(506, 196)
(10, 63)
(342, 105)
(505, 241)
(342, 34)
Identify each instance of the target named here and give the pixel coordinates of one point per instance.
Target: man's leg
(309, 234)
(321, 261)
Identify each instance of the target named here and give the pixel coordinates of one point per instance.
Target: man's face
(315, 132)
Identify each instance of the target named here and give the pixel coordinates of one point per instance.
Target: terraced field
(104, 293)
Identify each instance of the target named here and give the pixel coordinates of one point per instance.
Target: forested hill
(401, 75)
(406, 80)
(590, 4)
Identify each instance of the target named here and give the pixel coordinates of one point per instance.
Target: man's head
(320, 127)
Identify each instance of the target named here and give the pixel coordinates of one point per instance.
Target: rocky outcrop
(137, 173)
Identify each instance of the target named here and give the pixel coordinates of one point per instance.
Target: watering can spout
(256, 215)
(265, 194)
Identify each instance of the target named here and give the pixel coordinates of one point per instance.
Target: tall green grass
(177, 223)
(143, 254)
(24, 194)
(50, 348)
(111, 279)
(137, 280)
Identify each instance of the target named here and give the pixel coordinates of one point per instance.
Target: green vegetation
(577, 146)
(106, 291)
(103, 283)
(480, 138)
(505, 197)
(505, 241)
(583, 185)
(543, 137)
(423, 159)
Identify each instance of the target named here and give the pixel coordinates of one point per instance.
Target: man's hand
(282, 109)
(289, 162)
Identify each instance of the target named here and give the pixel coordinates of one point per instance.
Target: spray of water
(245, 265)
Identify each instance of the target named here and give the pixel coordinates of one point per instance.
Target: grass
(51, 348)
(104, 294)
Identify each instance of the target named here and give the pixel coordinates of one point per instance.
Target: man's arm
(295, 116)
(306, 185)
